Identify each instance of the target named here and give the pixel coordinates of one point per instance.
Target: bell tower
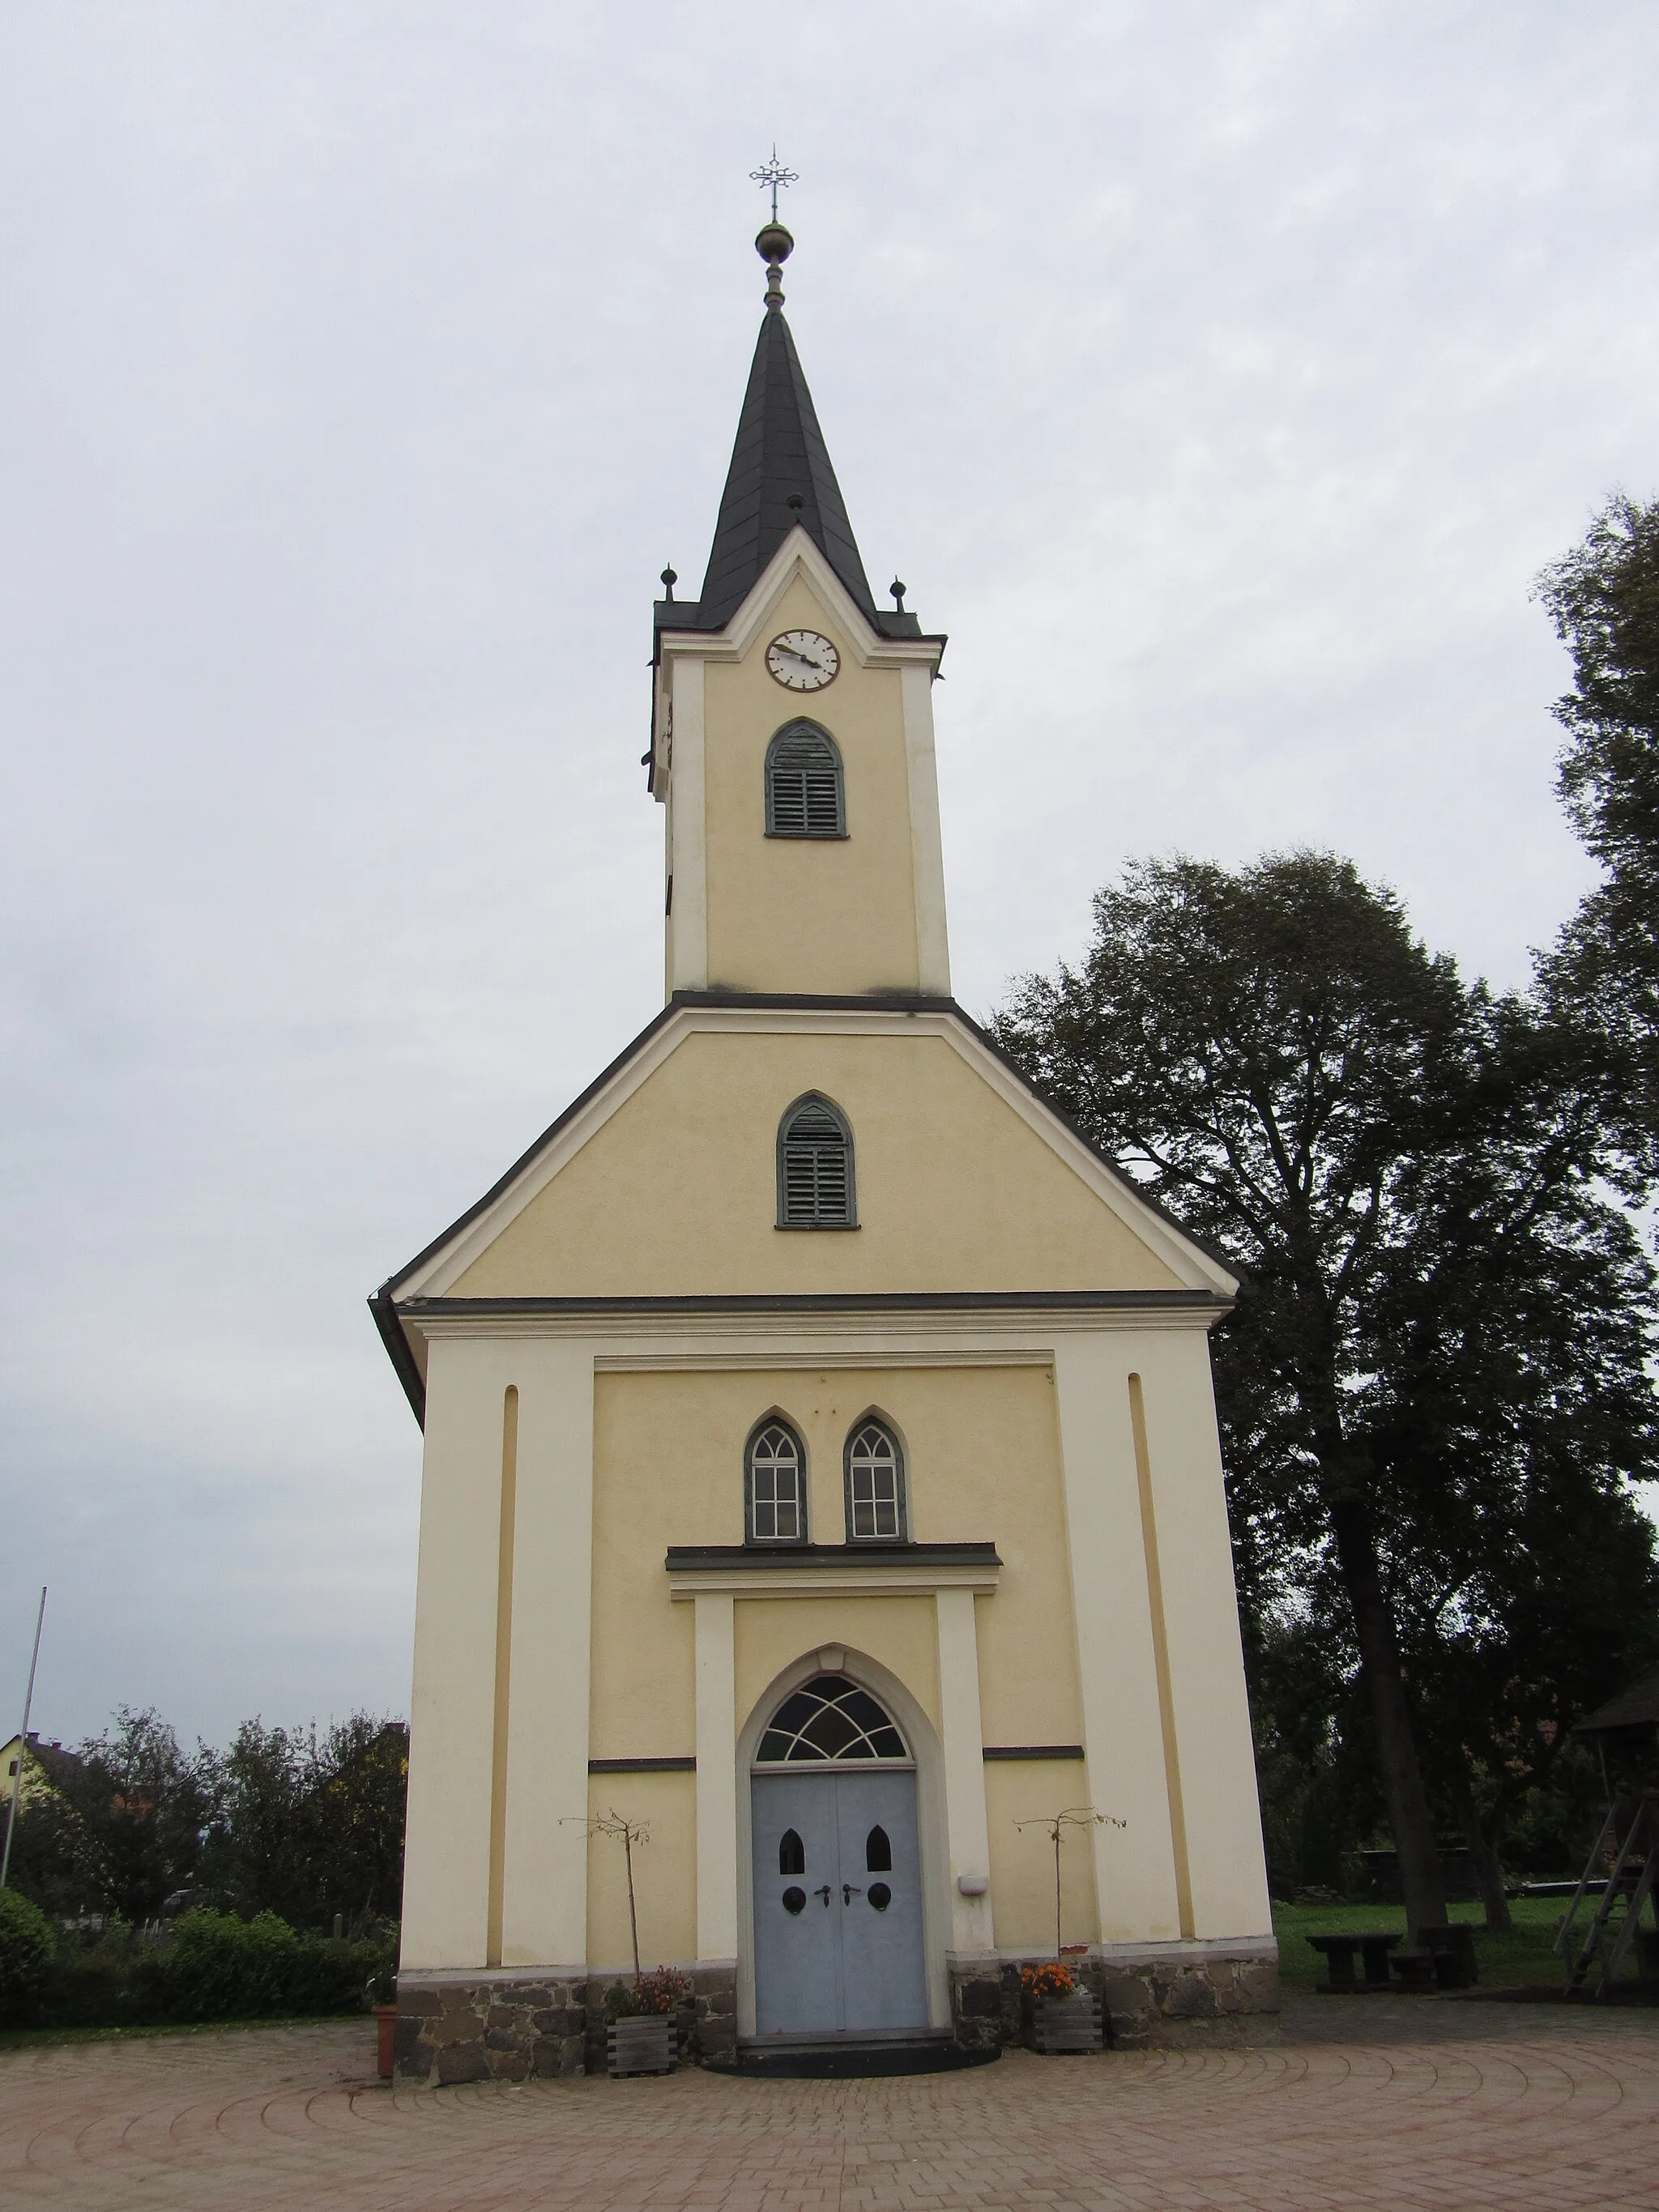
(793, 730)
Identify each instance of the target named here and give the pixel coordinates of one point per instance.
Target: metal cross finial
(774, 174)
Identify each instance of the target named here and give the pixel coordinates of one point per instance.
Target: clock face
(801, 660)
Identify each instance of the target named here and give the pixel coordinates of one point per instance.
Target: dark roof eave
(667, 1304)
(686, 615)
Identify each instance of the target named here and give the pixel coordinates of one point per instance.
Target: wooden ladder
(1631, 1881)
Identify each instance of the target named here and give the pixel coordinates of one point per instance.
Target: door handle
(849, 1892)
(824, 1894)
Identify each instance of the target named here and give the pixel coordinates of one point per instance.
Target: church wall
(1160, 1662)
(675, 1194)
(1023, 1858)
(664, 1871)
(982, 1463)
(1210, 1709)
(499, 1716)
(801, 914)
(898, 1632)
(446, 1878)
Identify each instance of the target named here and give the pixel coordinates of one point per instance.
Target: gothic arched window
(815, 1167)
(830, 1717)
(875, 1486)
(805, 796)
(775, 1486)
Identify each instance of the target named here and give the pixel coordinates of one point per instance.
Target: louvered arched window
(875, 1486)
(815, 1167)
(804, 793)
(775, 1485)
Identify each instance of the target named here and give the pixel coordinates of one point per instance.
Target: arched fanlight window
(775, 1486)
(875, 1486)
(815, 1167)
(829, 1718)
(805, 796)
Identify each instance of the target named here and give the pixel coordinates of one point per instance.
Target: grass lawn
(1523, 1955)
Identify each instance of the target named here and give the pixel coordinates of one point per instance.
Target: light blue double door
(838, 1932)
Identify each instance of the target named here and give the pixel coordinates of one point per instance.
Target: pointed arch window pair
(873, 1489)
(806, 791)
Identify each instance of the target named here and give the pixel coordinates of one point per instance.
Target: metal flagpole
(23, 1740)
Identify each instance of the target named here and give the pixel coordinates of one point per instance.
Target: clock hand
(789, 653)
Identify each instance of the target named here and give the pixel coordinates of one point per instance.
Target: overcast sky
(1219, 376)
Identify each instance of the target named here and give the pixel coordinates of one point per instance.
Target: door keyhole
(849, 1892)
(824, 1894)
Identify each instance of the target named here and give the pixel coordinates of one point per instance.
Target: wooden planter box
(648, 2044)
(1071, 2023)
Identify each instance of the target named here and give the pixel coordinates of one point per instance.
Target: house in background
(821, 1468)
(45, 1767)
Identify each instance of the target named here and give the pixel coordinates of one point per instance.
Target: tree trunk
(1409, 1816)
(1488, 1870)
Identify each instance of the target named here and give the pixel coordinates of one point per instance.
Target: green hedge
(25, 1954)
(219, 1967)
(213, 1967)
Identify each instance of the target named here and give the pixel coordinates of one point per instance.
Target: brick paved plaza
(1388, 2102)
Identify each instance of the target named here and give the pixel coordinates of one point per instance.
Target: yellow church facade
(821, 1473)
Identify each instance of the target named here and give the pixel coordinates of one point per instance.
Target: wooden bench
(1338, 1955)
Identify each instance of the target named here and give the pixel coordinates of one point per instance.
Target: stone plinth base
(501, 2028)
(1168, 1996)
(514, 2025)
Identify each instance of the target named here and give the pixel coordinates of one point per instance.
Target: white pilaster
(451, 1708)
(1210, 1709)
(1117, 1671)
(926, 847)
(688, 921)
(967, 1833)
(717, 1776)
(544, 1886)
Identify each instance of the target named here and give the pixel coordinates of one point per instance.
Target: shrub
(325, 1975)
(219, 1967)
(1051, 1980)
(25, 1954)
(89, 1988)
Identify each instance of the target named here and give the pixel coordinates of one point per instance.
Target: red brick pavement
(1368, 2103)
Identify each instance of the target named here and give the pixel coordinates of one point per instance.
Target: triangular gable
(433, 1272)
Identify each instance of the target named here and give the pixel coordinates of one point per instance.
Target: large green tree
(1508, 1416)
(1603, 598)
(1439, 1372)
(142, 1804)
(1269, 1051)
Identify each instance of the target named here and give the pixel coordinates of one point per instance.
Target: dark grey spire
(780, 473)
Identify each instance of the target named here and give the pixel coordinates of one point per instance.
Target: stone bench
(1338, 1955)
(1452, 1948)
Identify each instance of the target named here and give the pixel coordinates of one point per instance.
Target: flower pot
(1071, 2023)
(385, 2032)
(646, 2044)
